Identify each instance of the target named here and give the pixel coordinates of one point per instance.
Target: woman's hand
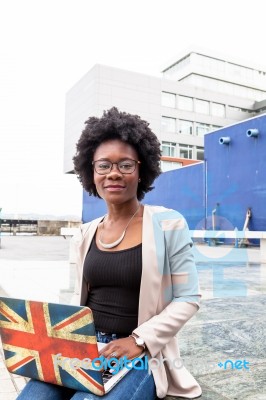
(125, 347)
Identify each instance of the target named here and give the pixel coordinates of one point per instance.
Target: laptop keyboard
(107, 374)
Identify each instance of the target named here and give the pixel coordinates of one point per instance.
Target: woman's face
(116, 187)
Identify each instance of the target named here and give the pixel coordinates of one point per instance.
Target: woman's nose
(114, 171)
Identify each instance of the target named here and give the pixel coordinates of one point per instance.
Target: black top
(114, 280)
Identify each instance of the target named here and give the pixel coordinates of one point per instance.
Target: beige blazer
(169, 292)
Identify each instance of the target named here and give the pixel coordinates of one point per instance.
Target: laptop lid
(42, 341)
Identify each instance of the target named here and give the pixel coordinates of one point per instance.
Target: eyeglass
(104, 167)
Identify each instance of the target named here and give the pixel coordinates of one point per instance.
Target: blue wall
(182, 190)
(236, 173)
(92, 207)
(232, 179)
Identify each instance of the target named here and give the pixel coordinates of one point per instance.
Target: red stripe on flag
(7, 315)
(96, 384)
(20, 363)
(70, 320)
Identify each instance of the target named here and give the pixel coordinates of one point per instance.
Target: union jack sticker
(34, 333)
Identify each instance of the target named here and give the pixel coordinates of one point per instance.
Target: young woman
(135, 265)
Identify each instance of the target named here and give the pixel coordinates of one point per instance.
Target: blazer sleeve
(161, 328)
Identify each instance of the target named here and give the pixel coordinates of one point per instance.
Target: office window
(168, 124)
(168, 99)
(211, 64)
(202, 129)
(199, 153)
(170, 165)
(185, 127)
(239, 110)
(168, 149)
(202, 106)
(214, 128)
(185, 103)
(218, 110)
(224, 87)
(185, 151)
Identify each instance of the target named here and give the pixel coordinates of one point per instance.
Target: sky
(46, 46)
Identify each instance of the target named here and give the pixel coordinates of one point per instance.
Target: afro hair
(128, 128)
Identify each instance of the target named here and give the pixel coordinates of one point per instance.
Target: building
(196, 94)
(220, 191)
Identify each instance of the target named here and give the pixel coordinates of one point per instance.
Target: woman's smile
(114, 188)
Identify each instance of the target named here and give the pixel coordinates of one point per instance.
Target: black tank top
(114, 281)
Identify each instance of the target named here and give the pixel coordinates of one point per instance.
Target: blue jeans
(136, 385)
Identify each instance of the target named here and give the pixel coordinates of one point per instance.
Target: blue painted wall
(232, 179)
(236, 173)
(182, 190)
(92, 207)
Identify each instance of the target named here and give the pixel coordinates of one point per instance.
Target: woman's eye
(104, 166)
(126, 166)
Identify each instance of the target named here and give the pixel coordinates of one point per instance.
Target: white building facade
(197, 94)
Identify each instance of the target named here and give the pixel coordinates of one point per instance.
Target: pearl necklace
(119, 240)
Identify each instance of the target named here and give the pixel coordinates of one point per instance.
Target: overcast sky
(46, 46)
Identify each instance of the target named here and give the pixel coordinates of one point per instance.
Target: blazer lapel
(153, 251)
(88, 234)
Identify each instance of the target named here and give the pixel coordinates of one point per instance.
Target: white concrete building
(195, 95)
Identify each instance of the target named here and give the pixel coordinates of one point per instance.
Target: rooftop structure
(220, 74)
(197, 94)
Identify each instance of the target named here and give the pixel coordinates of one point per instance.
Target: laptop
(56, 343)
